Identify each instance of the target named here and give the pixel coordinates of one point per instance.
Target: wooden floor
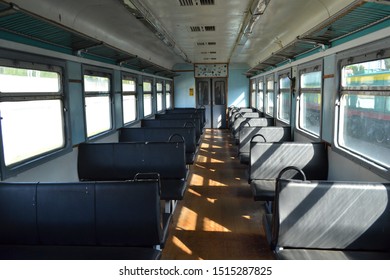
(218, 218)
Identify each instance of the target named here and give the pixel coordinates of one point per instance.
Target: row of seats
(116, 210)
(310, 217)
(163, 134)
(184, 117)
(269, 149)
(82, 220)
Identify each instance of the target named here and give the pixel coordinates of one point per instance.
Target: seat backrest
(332, 215)
(159, 134)
(270, 133)
(66, 213)
(201, 112)
(268, 159)
(238, 112)
(175, 123)
(122, 161)
(128, 213)
(240, 123)
(18, 213)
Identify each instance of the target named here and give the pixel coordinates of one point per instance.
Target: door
(211, 94)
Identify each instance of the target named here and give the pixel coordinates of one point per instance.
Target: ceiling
(154, 36)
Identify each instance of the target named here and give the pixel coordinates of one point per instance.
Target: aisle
(218, 218)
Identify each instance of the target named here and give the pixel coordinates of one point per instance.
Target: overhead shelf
(355, 18)
(23, 27)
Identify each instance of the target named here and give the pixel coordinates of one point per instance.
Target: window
(97, 89)
(260, 95)
(310, 100)
(159, 94)
(168, 95)
(253, 93)
(129, 98)
(365, 109)
(147, 94)
(32, 110)
(269, 109)
(284, 98)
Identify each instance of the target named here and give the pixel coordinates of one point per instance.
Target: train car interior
(194, 129)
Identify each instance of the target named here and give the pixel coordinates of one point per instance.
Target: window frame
(311, 67)
(23, 60)
(280, 90)
(370, 52)
(126, 76)
(168, 95)
(253, 92)
(162, 93)
(268, 78)
(260, 94)
(105, 73)
(145, 93)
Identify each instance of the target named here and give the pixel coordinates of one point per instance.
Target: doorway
(211, 94)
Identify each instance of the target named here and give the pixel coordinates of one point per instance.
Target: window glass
(28, 80)
(98, 114)
(129, 99)
(41, 120)
(147, 96)
(159, 93)
(168, 95)
(284, 99)
(203, 93)
(96, 84)
(310, 102)
(128, 84)
(260, 95)
(270, 97)
(253, 93)
(219, 94)
(364, 110)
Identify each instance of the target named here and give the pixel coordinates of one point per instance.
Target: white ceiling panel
(168, 32)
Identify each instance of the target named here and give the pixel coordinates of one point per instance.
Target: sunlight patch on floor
(210, 225)
(181, 245)
(187, 219)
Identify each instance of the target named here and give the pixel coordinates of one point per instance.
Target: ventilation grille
(202, 28)
(207, 2)
(185, 3)
(206, 43)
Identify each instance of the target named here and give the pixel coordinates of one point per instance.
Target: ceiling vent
(206, 2)
(185, 3)
(209, 28)
(195, 28)
(206, 43)
(202, 28)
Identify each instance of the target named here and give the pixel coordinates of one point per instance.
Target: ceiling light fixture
(257, 8)
(143, 13)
